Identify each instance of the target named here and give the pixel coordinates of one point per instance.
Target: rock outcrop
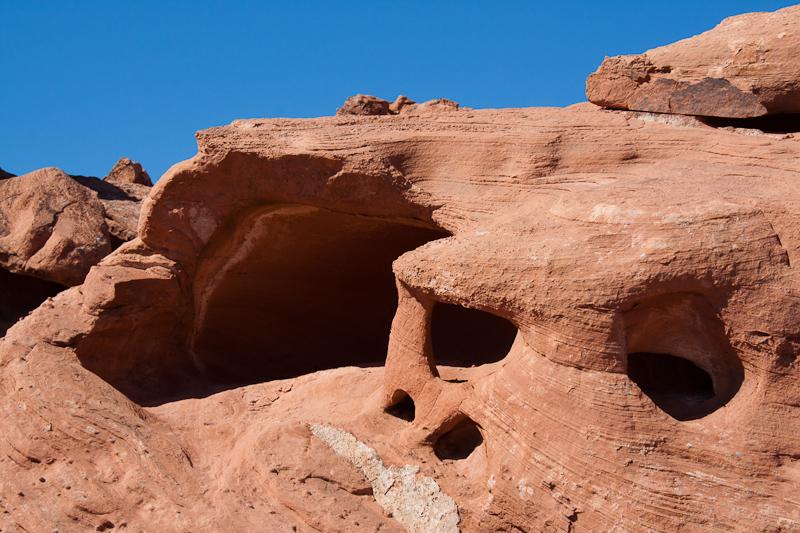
(54, 228)
(745, 67)
(127, 172)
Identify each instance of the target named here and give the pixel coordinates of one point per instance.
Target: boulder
(347, 324)
(364, 104)
(126, 171)
(52, 227)
(745, 67)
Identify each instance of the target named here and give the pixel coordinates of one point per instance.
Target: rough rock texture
(53, 229)
(745, 67)
(370, 105)
(589, 322)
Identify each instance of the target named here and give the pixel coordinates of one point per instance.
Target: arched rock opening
(460, 442)
(466, 337)
(402, 406)
(680, 357)
(287, 290)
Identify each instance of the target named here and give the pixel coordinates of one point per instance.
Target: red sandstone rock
(596, 329)
(745, 67)
(53, 228)
(364, 104)
(126, 171)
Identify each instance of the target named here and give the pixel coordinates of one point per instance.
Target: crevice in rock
(288, 290)
(459, 443)
(402, 406)
(776, 124)
(465, 337)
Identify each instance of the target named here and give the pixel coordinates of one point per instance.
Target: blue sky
(85, 83)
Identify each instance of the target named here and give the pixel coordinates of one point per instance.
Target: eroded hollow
(460, 442)
(402, 406)
(675, 385)
(288, 290)
(680, 357)
(19, 295)
(466, 337)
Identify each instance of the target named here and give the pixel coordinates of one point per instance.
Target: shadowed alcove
(287, 290)
(20, 295)
(466, 337)
(680, 357)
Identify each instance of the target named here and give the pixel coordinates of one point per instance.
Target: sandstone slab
(745, 67)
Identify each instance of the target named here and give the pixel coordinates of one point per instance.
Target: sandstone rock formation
(745, 67)
(54, 228)
(516, 320)
(596, 330)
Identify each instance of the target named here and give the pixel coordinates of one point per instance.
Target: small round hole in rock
(459, 442)
(466, 337)
(676, 385)
(402, 406)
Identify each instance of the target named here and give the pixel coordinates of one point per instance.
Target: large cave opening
(288, 290)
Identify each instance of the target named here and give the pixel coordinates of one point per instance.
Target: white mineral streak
(415, 501)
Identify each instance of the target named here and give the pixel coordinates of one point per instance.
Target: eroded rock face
(594, 329)
(745, 67)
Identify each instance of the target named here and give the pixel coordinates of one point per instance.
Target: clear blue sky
(85, 83)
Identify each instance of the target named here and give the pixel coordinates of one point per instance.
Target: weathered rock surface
(596, 330)
(745, 67)
(54, 228)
